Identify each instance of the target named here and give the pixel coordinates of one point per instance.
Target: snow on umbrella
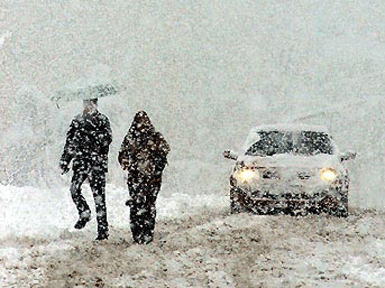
(85, 91)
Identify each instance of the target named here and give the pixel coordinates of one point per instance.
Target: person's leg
(149, 222)
(150, 214)
(137, 209)
(98, 187)
(135, 222)
(80, 202)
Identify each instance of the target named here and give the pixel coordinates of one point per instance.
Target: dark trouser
(97, 181)
(143, 211)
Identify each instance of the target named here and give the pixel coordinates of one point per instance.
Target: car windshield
(308, 143)
(270, 143)
(311, 143)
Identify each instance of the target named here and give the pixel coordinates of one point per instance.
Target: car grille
(304, 175)
(288, 174)
(270, 174)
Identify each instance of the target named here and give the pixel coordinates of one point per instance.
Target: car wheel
(235, 207)
(338, 207)
(344, 207)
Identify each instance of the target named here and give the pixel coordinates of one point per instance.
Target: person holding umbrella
(143, 154)
(87, 146)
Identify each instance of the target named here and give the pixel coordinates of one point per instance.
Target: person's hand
(124, 164)
(64, 167)
(65, 170)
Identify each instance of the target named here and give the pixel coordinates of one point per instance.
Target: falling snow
(206, 72)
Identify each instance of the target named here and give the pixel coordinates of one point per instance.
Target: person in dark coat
(143, 154)
(87, 146)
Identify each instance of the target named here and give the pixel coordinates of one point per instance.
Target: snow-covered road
(197, 244)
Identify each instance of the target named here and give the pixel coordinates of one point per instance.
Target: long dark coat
(87, 143)
(143, 154)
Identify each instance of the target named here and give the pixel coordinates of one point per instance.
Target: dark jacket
(143, 151)
(87, 143)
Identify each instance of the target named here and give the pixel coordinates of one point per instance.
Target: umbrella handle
(57, 102)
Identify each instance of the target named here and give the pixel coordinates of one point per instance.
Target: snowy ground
(197, 244)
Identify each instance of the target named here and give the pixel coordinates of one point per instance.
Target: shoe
(148, 239)
(102, 236)
(138, 239)
(82, 223)
(143, 239)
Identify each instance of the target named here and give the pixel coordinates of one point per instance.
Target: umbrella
(84, 91)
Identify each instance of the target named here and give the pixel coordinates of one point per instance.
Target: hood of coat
(141, 127)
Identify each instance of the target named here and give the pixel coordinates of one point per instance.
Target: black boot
(81, 223)
(143, 239)
(138, 238)
(102, 234)
(148, 238)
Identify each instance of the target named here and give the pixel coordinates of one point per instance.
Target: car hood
(287, 160)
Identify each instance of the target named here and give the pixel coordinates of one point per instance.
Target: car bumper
(332, 200)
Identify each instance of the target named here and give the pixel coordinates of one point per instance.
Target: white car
(289, 169)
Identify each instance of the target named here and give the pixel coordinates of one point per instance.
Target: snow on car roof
(290, 127)
(254, 136)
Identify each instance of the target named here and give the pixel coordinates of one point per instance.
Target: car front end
(279, 186)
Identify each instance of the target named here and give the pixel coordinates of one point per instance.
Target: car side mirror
(229, 154)
(349, 155)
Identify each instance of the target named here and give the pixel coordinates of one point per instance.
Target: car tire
(235, 207)
(345, 197)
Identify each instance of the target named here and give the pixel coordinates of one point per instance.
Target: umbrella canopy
(85, 91)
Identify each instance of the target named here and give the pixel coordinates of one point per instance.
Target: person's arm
(100, 133)
(69, 149)
(124, 156)
(163, 146)
(108, 134)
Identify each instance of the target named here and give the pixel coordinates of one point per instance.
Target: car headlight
(246, 176)
(329, 175)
